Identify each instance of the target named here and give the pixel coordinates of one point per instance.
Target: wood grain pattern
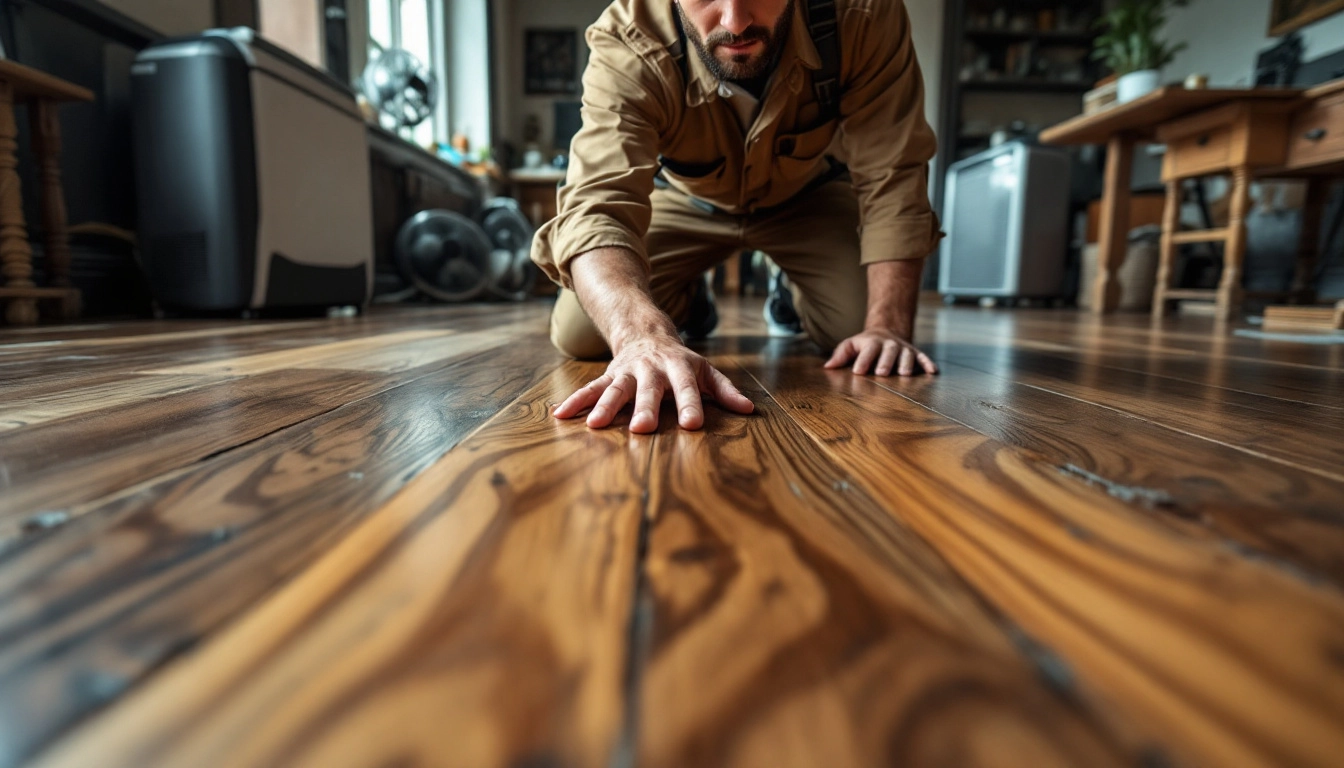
(90, 610)
(386, 353)
(1275, 510)
(1140, 612)
(110, 450)
(109, 392)
(398, 558)
(478, 619)
(796, 622)
(1302, 435)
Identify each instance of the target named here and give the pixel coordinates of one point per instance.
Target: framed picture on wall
(552, 62)
(1288, 15)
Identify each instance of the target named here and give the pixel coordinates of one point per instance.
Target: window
(415, 25)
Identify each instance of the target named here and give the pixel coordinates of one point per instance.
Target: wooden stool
(43, 93)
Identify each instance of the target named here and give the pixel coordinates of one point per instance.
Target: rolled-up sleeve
(884, 136)
(613, 159)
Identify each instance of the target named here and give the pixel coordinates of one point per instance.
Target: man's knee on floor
(580, 343)
(829, 330)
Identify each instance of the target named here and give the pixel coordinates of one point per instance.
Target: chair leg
(1171, 222)
(1308, 244)
(1229, 288)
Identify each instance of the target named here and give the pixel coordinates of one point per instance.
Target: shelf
(1027, 86)
(1047, 38)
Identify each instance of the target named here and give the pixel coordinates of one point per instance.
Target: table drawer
(1317, 136)
(1199, 153)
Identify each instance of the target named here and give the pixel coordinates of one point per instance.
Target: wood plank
(1117, 333)
(795, 622)
(1251, 504)
(55, 366)
(478, 618)
(1321, 386)
(1141, 613)
(386, 353)
(92, 609)
(1300, 435)
(114, 449)
(117, 336)
(107, 392)
(122, 446)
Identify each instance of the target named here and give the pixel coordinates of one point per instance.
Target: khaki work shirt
(637, 110)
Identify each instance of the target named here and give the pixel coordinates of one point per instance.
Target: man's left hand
(882, 352)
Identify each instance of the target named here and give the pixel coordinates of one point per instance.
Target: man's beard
(742, 67)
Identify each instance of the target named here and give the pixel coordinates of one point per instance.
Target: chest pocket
(692, 170)
(799, 153)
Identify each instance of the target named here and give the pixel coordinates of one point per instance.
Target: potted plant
(1130, 45)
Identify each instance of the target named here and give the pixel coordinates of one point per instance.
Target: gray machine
(252, 173)
(1006, 214)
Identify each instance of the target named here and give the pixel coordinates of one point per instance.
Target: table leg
(1171, 224)
(46, 130)
(1113, 234)
(1234, 255)
(1309, 243)
(16, 255)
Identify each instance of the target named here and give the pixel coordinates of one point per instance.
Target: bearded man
(715, 126)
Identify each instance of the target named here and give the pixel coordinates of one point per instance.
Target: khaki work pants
(814, 238)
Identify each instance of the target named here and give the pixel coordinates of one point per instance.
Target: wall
(514, 16)
(468, 67)
(519, 16)
(172, 17)
(926, 22)
(1226, 35)
(297, 26)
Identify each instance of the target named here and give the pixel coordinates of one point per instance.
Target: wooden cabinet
(1317, 135)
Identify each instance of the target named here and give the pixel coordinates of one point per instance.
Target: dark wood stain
(1086, 543)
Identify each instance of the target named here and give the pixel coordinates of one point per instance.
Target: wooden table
(535, 191)
(1120, 128)
(42, 93)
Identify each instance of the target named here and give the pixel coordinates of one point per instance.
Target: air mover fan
(512, 273)
(445, 255)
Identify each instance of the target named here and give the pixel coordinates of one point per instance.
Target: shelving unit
(1020, 62)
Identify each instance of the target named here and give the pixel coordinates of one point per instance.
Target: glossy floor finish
(365, 542)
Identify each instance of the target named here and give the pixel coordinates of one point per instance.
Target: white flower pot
(1136, 84)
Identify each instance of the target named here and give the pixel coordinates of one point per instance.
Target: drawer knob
(1203, 141)
(1315, 134)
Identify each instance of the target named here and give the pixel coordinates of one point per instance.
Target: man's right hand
(645, 371)
(649, 362)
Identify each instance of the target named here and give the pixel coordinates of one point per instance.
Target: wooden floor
(364, 542)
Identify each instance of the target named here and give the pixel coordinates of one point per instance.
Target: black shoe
(780, 313)
(703, 316)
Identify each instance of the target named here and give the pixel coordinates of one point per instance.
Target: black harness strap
(824, 28)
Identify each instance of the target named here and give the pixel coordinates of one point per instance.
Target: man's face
(737, 39)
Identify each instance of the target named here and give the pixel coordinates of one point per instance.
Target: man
(689, 156)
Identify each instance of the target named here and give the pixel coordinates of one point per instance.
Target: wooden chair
(43, 94)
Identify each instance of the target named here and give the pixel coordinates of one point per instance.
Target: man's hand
(893, 298)
(646, 371)
(649, 362)
(890, 352)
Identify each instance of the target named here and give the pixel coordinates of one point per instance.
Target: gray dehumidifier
(1007, 219)
(252, 176)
